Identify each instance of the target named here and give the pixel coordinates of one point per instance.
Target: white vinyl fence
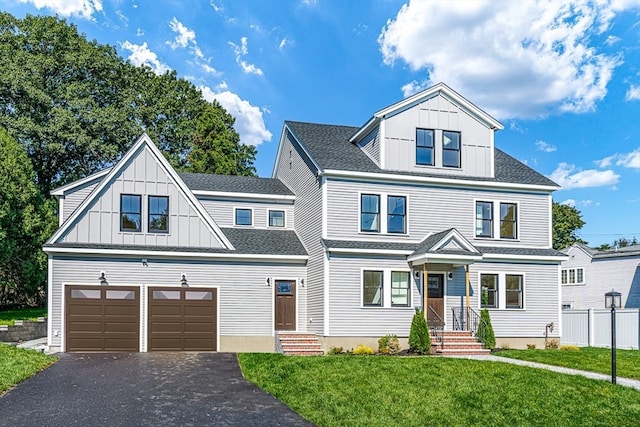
(592, 328)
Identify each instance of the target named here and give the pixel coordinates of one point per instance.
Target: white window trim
(502, 290)
(496, 219)
(384, 212)
(235, 213)
(386, 288)
(284, 223)
(576, 283)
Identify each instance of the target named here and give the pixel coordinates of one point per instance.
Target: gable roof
(330, 148)
(234, 184)
(144, 142)
(627, 251)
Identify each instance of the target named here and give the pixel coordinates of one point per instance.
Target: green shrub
(569, 348)
(389, 344)
(489, 336)
(531, 346)
(419, 339)
(363, 350)
(336, 350)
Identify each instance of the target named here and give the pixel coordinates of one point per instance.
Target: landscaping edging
(24, 330)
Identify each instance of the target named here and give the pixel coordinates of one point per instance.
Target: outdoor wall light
(450, 275)
(417, 274)
(268, 281)
(301, 282)
(102, 278)
(183, 280)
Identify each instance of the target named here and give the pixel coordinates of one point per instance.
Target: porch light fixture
(612, 300)
(183, 281)
(302, 281)
(268, 281)
(450, 275)
(102, 278)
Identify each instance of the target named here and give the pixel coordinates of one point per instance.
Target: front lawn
(17, 364)
(8, 317)
(422, 391)
(587, 359)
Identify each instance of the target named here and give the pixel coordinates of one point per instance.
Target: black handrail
(469, 320)
(436, 323)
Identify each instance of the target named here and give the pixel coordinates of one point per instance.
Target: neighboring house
(337, 243)
(587, 274)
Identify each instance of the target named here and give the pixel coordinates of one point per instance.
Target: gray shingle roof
(356, 244)
(245, 240)
(234, 183)
(519, 251)
(330, 147)
(633, 250)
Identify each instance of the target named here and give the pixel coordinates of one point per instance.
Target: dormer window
(244, 217)
(450, 149)
(424, 147)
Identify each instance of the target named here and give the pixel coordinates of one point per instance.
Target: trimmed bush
(569, 348)
(489, 336)
(389, 344)
(336, 350)
(363, 350)
(419, 339)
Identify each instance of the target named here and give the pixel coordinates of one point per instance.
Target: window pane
(85, 293)
(451, 149)
(489, 290)
(130, 212)
(372, 288)
(424, 147)
(580, 272)
(276, 218)
(484, 219)
(572, 276)
(397, 214)
(198, 295)
(564, 277)
(508, 221)
(121, 295)
(514, 291)
(451, 159)
(243, 216)
(400, 288)
(166, 294)
(369, 212)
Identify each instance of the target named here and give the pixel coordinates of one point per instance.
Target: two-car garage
(106, 318)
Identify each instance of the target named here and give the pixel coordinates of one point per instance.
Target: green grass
(424, 391)
(587, 359)
(8, 317)
(17, 364)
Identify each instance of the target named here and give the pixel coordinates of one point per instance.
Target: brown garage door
(182, 319)
(101, 318)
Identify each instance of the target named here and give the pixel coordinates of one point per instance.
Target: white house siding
(347, 316)
(298, 177)
(440, 114)
(540, 299)
(143, 175)
(223, 211)
(433, 209)
(601, 275)
(74, 198)
(245, 299)
(370, 144)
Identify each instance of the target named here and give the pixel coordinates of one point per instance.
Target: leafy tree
(419, 339)
(216, 145)
(489, 335)
(567, 220)
(25, 222)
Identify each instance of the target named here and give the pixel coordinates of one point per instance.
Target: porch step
(299, 344)
(457, 343)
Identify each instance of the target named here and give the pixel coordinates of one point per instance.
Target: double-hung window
(397, 214)
(489, 290)
(243, 217)
(130, 212)
(276, 218)
(372, 288)
(424, 147)
(484, 219)
(158, 214)
(508, 221)
(514, 291)
(399, 288)
(370, 213)
(450, 149)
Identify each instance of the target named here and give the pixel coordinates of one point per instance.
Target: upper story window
(158, 214)
(425, 147)
(397, 214)
(370, 213)
(489, 291)
(484, 219)
(244, 217)
(130, 212)
(572, 276)
(514, 291)
(276, 218)
(450, 149)
(508, 221)
(372, 288)
(486, 227)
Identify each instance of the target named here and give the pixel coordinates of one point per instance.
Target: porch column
(425, 290)
(467, 286)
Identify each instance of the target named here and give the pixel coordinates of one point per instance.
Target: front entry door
(285, 306)
(435, 299)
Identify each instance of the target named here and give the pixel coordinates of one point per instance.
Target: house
(587, 274)
(337, 243)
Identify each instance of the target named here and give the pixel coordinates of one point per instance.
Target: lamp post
(612, 300)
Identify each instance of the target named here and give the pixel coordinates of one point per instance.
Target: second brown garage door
(182, 319)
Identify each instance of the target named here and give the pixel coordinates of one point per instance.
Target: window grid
(370, 213)
(397, 214)
(400, 288)
(489, 290)
(572, 276)
(130, 212)
(484, 219)
(372, 288)
(424, 147)
(451, 149)
(158, 214)
(508, 221)
(514, 291)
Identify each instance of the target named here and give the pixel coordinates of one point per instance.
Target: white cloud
(283, 43)
(633, 93)
(564, 176)
(184, 35)
(140, 32)
(569, 202)
(242, 51)
(573, 203)
(611, 40)
(514, 59)
(547, 148)
(82, 8)
(142, 55)
(249, 121)
(605, 162)
(627, 160)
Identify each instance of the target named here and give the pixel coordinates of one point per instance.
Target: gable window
(489, 291)
(243, 217)
(508, 221)
(370, 213)
(276, 218)
(399, 288)
(424, 147)
(158, 214)
(572, 276)
(484, 219)
(450, 149)
(397, 214)
(372, 288)
(514, 291)
(130, 212)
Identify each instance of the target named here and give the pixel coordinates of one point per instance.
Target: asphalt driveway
(150, 389)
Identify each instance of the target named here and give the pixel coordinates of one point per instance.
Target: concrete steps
(299, 344)
(457, 343)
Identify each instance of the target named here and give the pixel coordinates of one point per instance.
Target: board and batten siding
(438, 113)
(143, 176)
(347, 315)
(433, 209)
(245, 299)
(223, 212)
(74, 198)
(293, 171)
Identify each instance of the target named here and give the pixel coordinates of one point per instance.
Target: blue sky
(563, 77)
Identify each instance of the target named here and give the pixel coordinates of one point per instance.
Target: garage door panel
(198, 326)
(120, 310)
(164, 309)
(166, 327)
(84, 326)
(84, 309)
(198, 344)
(85, 344)
(120, 344)
(198, 310)
(117, 327)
